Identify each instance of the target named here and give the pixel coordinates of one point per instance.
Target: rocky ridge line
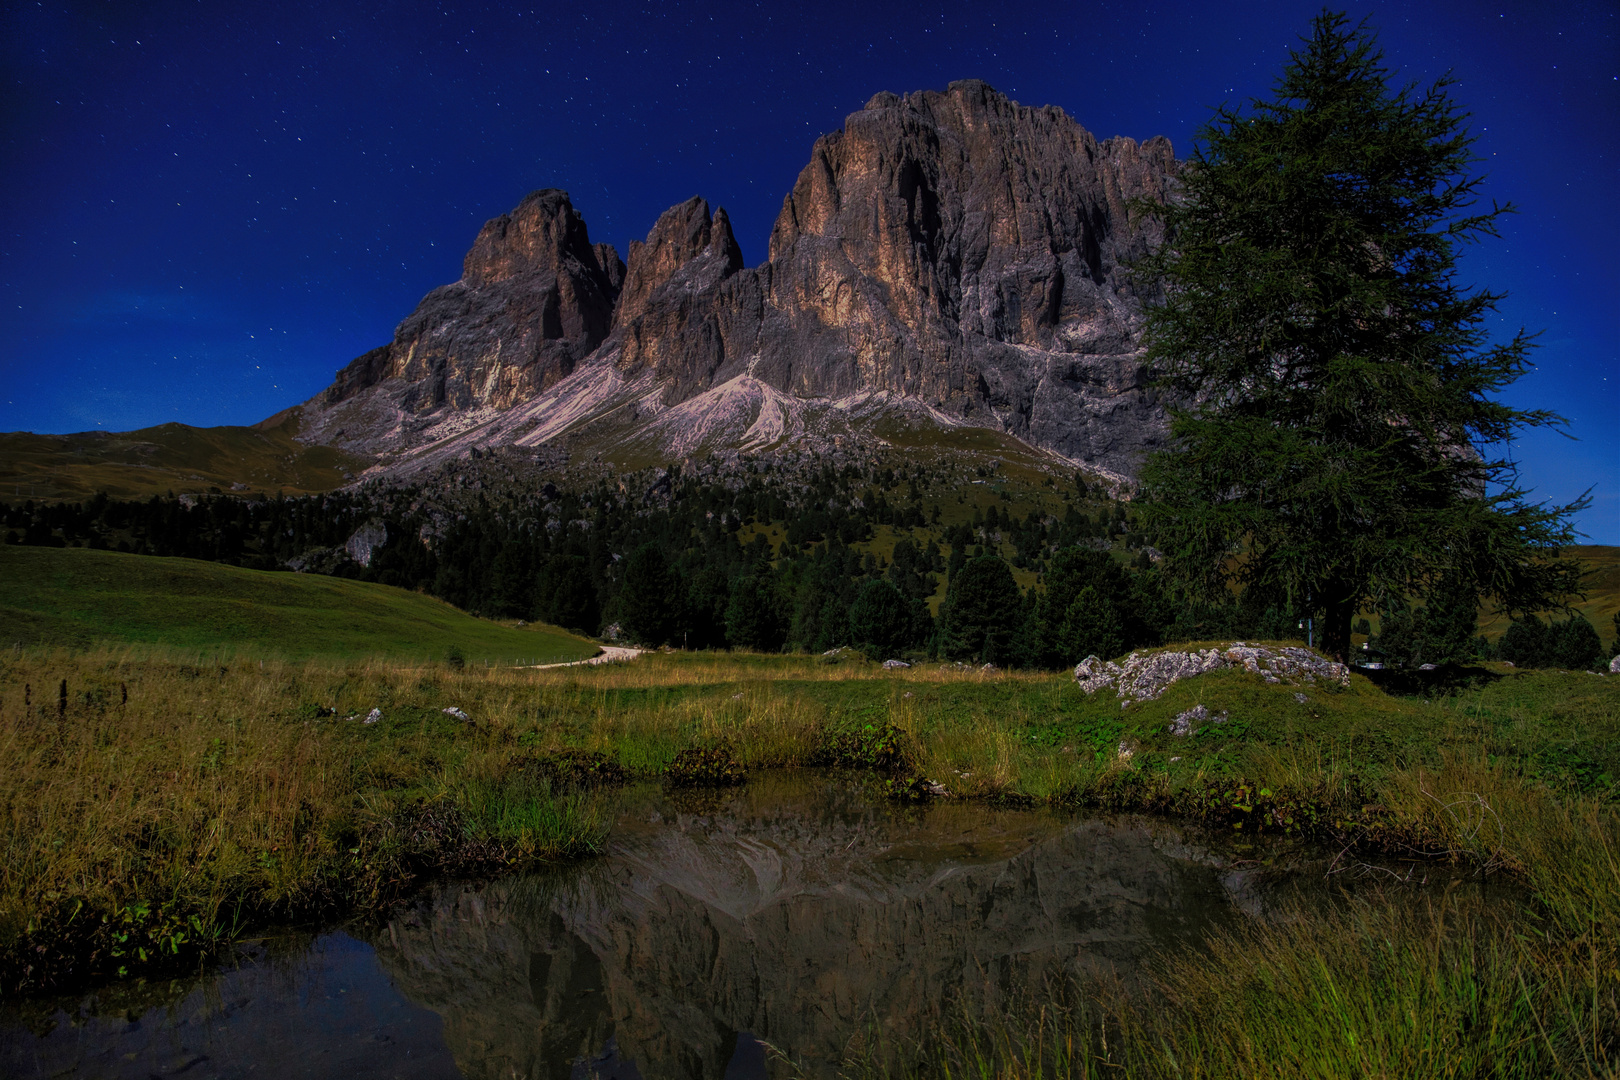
(953, 252)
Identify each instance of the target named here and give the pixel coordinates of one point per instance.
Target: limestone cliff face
(671, 312)
(952, 248)
(535, 297)
(955, 247)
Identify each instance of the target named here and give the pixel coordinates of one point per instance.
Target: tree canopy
(647, 599)
(1341, 438)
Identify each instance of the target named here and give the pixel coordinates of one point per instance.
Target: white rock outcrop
(1186, 723)
(1144, 676)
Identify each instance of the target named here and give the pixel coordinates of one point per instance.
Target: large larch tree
(1343, 435)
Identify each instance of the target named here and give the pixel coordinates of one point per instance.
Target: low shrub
(705, 767)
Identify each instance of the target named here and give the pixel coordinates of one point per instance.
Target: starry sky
(206, 208)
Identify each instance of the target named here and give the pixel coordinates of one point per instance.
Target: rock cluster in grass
(1190, 721)
(1144, 676)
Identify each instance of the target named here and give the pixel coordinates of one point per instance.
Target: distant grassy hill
(1602, 585)
(169, 457)
(74, 596)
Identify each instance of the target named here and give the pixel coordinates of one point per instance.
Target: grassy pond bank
(158, 805)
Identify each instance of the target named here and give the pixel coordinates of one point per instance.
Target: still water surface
(716, 933)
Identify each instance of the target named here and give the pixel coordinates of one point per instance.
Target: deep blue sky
(207, 208)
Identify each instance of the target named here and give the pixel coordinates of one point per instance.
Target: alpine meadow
(1068, 611)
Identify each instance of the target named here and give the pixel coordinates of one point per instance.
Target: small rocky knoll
(1143, 676)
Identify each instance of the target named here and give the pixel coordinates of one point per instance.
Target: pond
(721, 935)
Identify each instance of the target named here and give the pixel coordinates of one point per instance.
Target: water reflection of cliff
(797, 910)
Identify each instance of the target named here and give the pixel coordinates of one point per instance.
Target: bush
(1573, 644)
(713, 766)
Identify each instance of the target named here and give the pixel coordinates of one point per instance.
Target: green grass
(77, 597)
(169, 458)
(153, 807)
(180, 799)
(1387, 987)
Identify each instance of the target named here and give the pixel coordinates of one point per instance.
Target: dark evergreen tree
(512, 582)
(649, 599)
(1066, 633)
(982, 612)
(880, 619)
(707, 593)
(1344, 428)
(567, 596)
(1091, 626)
(1573, 644)
(754, 618)
(1524, 644)
(831, 623)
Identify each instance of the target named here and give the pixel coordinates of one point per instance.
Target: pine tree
(754, 619)
(1083, 608)
(1344, 437)
(880, 619)
(1091, 626)
(649, 600)
(982, 612)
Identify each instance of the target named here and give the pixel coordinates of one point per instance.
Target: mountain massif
(947, 259)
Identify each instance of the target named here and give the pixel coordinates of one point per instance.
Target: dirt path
(610, 654)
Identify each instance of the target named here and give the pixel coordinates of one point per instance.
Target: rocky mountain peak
(683, 235)
(535, 297)
(543, 234)
(952, 252)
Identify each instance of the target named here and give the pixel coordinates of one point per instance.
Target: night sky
(207, 208)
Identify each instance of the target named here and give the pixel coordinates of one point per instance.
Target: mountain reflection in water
(798, 911)
(716, 936)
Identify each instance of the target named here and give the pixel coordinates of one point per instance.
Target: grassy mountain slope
(1602, 585)
(169, 457)
(969, 470)
(73, 596)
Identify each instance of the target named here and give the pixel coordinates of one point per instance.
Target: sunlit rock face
(952, 249)
(535, 297)
(805, 921)
(954, 246)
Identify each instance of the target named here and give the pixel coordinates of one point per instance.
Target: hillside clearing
(77, 597)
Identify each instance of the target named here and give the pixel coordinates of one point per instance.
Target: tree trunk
(1336, 629)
